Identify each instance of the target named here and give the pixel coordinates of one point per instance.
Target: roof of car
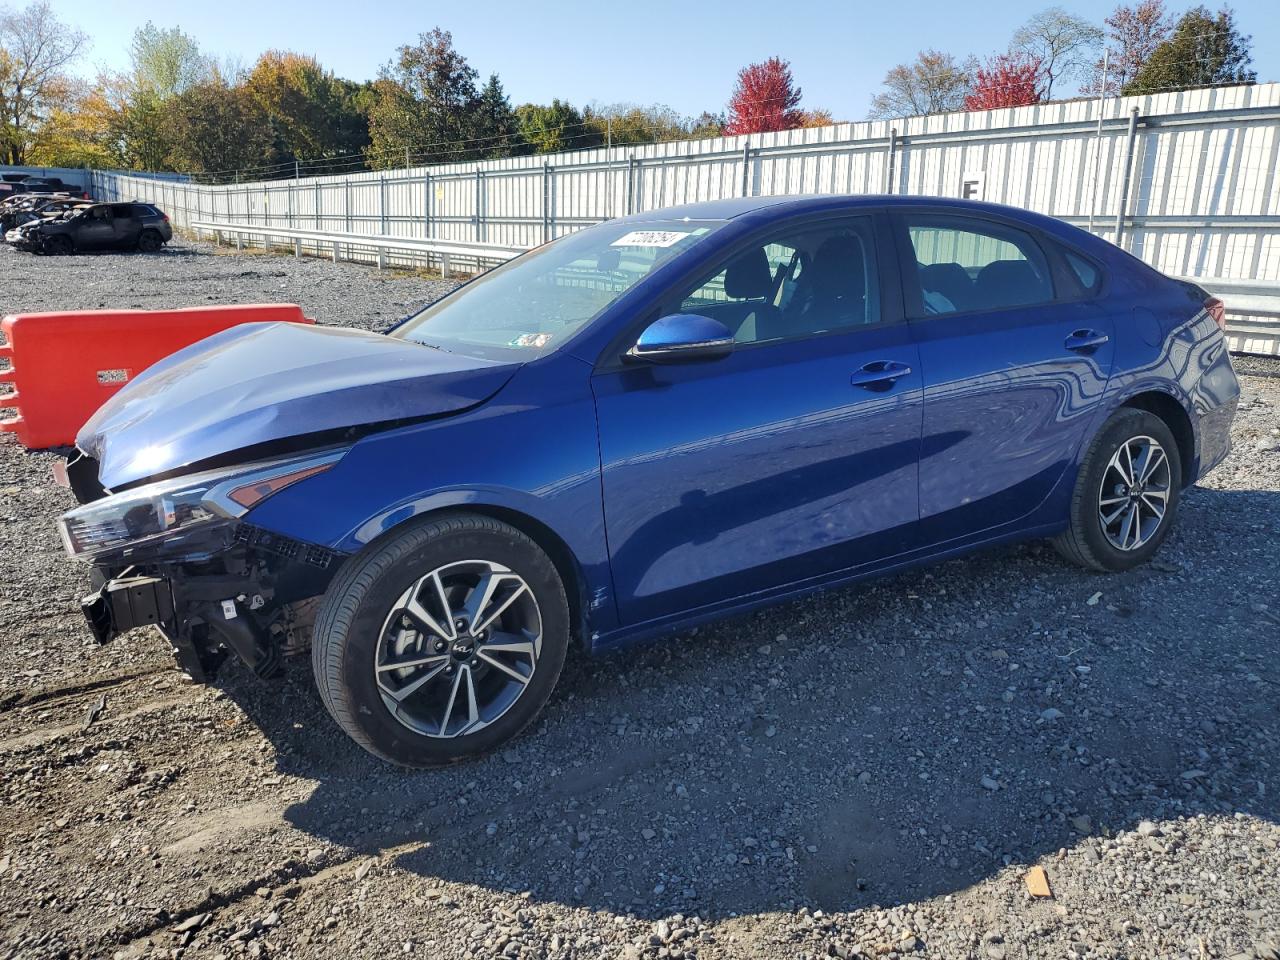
(733, 207)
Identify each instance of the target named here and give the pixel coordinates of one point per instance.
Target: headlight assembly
(169, 510)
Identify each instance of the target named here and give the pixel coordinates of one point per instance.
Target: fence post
(890, 166)
(632, 176)
(479, 217)
(1127, 175)
(746, 168)
(346, 215)
(382, 214)
(546, 201)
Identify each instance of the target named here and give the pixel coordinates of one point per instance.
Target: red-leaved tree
(765, 99)
(1008, 80)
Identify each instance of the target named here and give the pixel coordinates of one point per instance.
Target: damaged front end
(177, 554)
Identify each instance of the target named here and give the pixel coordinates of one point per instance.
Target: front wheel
(442, 643)
(1126, 494)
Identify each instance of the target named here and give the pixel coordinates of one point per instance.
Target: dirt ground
(870, 772)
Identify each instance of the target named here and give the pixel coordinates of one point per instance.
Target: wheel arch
(1175, 417)
(551, 543)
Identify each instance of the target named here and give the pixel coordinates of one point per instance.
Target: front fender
(532, 451)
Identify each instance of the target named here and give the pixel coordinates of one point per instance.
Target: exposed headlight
(169, 510)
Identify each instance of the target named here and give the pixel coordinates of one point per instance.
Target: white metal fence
(1187, 181)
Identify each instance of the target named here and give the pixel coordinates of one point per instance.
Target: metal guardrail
(446, 252)
(1253, 306)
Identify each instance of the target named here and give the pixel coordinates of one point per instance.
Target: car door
(127, 225)
(1014, 366)
(95, 229)
(792, 457)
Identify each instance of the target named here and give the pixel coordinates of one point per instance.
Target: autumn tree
(934, 82)
(313, 115)
(1006, 80)
(1064, 43)
(218, 129)
(707, 124)
(1204, 50)
(36, 50)
(425, 103)
(765, 99)
(1133, 34)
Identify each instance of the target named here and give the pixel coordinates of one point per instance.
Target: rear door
(1015, 361)
(791, 458)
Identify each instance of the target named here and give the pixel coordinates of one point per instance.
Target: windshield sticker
(650, 238)
(531, 340)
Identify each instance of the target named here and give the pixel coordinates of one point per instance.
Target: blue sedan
(650, 423)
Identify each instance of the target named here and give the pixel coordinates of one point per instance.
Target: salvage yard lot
(867, 772)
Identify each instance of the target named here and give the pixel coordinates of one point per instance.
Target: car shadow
(877, 744)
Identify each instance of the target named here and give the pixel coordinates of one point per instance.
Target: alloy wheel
(1134, 495)
(458, 648)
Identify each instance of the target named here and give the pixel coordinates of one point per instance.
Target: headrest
(747, 277)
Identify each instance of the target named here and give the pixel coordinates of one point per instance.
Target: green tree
(425, 103)
(560, 126)
(496, 124)
(629, 123)
(1205, 50)
(167, 62)
(36, 50)
(217, 129)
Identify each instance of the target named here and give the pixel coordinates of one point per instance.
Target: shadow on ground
(877, 744)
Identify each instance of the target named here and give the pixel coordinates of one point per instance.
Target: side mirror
(681, 338)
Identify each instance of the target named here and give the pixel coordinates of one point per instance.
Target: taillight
(166, 220)
(1218, 310)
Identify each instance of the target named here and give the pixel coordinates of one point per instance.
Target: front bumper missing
(130, 602)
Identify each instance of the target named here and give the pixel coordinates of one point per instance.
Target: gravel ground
(869, 773)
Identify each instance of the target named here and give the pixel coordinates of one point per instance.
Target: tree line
(1139, 49)
(178, 108)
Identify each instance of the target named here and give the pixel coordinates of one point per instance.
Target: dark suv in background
(102, 226)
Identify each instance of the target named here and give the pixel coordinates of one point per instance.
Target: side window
(799, 284)
(965, 265)
(122, 211)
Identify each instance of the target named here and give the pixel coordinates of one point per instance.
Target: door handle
(1085, 341)
(879, 374)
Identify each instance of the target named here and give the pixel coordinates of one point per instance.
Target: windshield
(531, 305)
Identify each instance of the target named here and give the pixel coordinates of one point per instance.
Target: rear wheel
(150, 241)
(443, 643)
(57, 245)
(1126, 494)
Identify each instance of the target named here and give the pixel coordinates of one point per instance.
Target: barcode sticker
(650, 238)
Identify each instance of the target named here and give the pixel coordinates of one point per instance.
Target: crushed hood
(259, 382)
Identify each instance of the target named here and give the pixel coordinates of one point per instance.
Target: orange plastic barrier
(64, 366)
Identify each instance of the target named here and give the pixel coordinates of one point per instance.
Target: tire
(150, 242)
(1100, 485)
(58, 245)
(364, 623)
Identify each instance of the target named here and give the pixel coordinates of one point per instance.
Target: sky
(685, 55)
